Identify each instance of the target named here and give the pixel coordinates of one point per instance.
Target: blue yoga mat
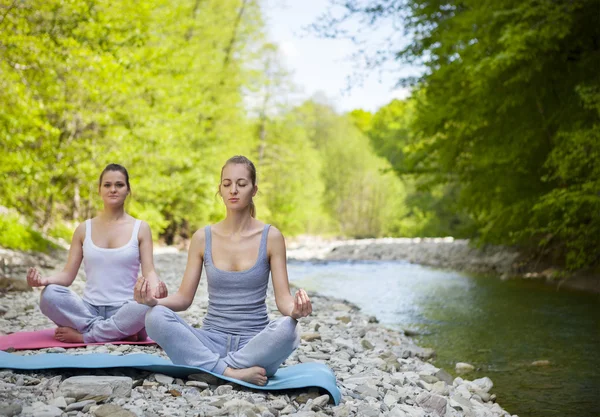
(293, 377)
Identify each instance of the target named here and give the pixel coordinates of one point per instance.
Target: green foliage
(62, 230)
(16, 235)
(152, 85)
(505, 116)
(168, 90)
(359, 196)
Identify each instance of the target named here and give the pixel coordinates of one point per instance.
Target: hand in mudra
(302, 305)
(34, 278)
(144, 294)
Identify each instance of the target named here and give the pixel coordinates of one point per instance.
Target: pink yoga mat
(41, 339)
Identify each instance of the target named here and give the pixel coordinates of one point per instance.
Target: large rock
(96, 387)
(432, 403)
(444, 376)
(482, 384)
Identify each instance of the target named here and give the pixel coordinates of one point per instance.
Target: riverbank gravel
(380, 371)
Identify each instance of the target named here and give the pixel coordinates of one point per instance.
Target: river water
(499, 327)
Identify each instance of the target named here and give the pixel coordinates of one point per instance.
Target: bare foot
(68, 335)
(255, 375)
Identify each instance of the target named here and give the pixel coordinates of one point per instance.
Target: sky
(323, 66)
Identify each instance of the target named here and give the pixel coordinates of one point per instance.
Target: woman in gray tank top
(112, 246)
(239, 253)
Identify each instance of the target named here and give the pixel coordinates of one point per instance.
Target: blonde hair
(242, 160)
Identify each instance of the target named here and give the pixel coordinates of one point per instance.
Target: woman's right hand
(34, 278)
(143, 293)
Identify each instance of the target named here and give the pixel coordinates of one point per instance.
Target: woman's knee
(51, 296)
(155, 318)
(287, 329)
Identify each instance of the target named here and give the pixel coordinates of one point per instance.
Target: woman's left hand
(143, 294)
(302, 305)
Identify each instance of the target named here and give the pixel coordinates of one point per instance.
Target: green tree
(507, 101)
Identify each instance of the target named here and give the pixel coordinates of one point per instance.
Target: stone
(164, 379)
(223, 389)
(430, 379)
(344, 343)
(481, 384)
(288, 409)
(320, 402)
(367, 411)
(42, 410)
(319, 356)
(390, 398)
(59, 402)
(463, 391)
(237, 407)
(460, 402)
(440, 388)
(397, 412)
(444, 376)
(367, 391)
(80, 405)
(278, 404)
(113, 410)
(540, 363)
(463, 367)
(96, 387)
(432, 403)
(426, 353)
(197, 384)
(342, 410)
(310, 336)
(10, 410)
(305, 396)
(208, 378)
(366, 344)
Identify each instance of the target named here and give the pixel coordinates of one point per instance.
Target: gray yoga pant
(214, 350)
(95, 323)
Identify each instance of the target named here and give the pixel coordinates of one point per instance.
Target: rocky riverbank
(445, 253)
(380, 372)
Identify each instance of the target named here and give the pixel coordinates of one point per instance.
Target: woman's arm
(69, 272)
(184, 296)
(159, 289)
(297, 306)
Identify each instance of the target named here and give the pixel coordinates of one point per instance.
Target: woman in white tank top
(113, 246)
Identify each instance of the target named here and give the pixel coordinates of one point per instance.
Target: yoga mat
(303, 375)
(41, 339)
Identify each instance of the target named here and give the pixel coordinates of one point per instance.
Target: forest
(499, 141)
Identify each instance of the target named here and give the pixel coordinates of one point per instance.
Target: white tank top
(111, 272)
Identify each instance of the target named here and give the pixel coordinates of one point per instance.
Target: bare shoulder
(198, 242)
(275, 233)
(275, 239)
(199, 236)
(79, 232)
(144, 232)
(145, 227)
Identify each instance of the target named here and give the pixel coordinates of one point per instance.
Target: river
(499, 327)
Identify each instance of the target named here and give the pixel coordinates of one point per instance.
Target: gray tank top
(236, 299)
